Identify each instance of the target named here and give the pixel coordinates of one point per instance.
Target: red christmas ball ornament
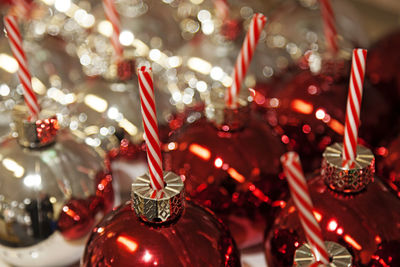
(307, 111)
(229, 161)
(169, 231)
(354, 209)
(383, 66)
(76, 219)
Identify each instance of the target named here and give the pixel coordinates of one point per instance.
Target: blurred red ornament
(195, 239)
(105, 191)
(367, 223)
(233, 169)
(76, 219)
(383, 66)
(231, 29)
(308, 110)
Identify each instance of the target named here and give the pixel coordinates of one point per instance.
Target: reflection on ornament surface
(49, 196)
(196, 238)
(233, 169)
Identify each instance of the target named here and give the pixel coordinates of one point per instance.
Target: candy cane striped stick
(113, 17)
(354, 104)
(329, 25)
(244, 58)
(150, 127)
(15, 40)
(301, 197)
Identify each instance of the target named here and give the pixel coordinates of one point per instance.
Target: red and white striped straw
(329, 25)
(15, 40)
(150, 127)
(302, 200)
(354, 104)
(113, 17)
(244, 58)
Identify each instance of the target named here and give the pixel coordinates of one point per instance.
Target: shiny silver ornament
(35, 183)
(106, 111)
(106, 107)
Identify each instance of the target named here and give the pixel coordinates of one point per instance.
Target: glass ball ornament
(106, 111)
(148, 34)
(353, 207)
(135, 234)
(308, 108)
(214, 31)
(54, 69)
(229, 160)
(296, 27)
(52, 189)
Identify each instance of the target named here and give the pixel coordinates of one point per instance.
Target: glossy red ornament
(197, 239)
(233, 169)
(366, 223)
(308, 110)
(383, 67)
(76, 219)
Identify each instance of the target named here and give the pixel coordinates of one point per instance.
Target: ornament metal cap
(339, 255)
(347, 177)
(166, 205)
(121, 71)
(35, 133)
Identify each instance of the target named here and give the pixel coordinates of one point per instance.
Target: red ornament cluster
(77, 216)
